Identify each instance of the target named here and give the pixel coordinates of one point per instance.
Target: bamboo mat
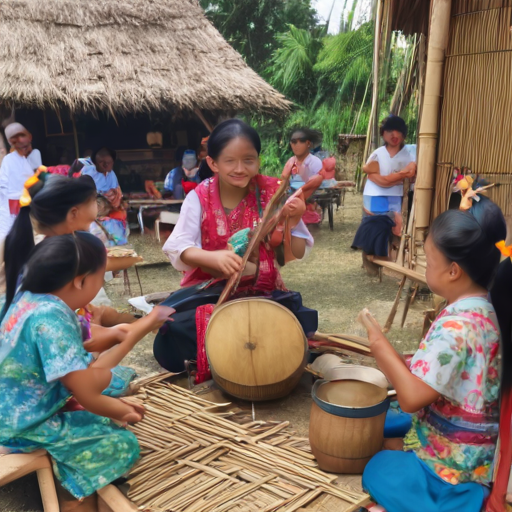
(197, 459)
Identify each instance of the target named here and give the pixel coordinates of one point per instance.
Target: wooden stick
(392, 313)
(411, 274)
(47, 489)
(408, 302)
(257, 237)
(116, 500)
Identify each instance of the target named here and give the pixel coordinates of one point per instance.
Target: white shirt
(310, 167)
(5, 218)
(388, 165)
(15, 171)
(187, 232)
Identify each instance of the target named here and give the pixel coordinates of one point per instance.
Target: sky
(323, 8)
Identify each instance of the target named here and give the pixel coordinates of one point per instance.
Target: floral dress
(456, 435)
(41, 342)
(448, 454)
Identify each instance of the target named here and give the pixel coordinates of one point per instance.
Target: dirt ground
(330, 280)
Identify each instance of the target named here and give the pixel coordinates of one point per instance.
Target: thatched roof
(123, 56)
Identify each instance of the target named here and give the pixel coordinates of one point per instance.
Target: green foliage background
(328, 77)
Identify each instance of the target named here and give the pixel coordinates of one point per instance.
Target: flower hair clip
(506, 250)
(25, 198)
(465, 185)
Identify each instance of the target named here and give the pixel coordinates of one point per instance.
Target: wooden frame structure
(465, 104)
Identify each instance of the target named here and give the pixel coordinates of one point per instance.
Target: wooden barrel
(346, 426)
(256, 349)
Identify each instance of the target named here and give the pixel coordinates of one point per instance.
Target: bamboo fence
(468, 6)
(196, 459)
(476, 120)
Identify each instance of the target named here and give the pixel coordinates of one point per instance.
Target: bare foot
(68, 503)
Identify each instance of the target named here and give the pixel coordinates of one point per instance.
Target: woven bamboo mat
(198, 456)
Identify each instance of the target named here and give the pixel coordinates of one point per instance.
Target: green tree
(251, 26)
(345, 63)
(292, 64)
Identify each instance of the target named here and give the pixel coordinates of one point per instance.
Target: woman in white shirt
(386, 169)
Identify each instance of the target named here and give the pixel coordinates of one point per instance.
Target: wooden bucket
(346, 426)
(256, 349)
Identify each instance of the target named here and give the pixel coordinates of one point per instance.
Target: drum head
(254, 342)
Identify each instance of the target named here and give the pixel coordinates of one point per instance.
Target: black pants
(177, 342)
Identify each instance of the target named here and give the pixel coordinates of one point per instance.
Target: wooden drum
(346, 426)
(256, 349)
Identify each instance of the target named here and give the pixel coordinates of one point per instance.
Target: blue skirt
(401, 482)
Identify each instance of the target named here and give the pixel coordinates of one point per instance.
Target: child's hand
(136, 414)
(160, 315)
(225, 262)
(294, 209)
(409, 171)
(104, 338)
(371, 325)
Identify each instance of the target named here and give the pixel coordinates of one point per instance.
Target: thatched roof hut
(123, 56)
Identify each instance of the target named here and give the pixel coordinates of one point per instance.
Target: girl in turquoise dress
(43, 363)
(57, 206)
(453, 383)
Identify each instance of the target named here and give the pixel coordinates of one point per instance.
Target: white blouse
(187, 232)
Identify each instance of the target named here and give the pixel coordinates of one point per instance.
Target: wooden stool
(166, 218)
(17, 465)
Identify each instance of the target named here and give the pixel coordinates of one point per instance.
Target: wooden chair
(17, 465)
(165, 218)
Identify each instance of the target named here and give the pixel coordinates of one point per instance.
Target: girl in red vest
(230, 203)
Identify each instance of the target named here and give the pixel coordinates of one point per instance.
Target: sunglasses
(299, 139)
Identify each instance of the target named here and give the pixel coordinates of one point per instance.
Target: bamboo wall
(476, 116)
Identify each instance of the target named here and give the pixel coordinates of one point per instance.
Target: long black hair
(57, 260)
(52, 198)
(228, 130)
(469, 239)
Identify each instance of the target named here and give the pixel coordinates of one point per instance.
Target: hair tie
(25, 198)
(506, 250)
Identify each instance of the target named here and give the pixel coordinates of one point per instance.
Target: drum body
(256, 349)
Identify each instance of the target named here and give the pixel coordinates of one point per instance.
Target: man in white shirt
(16, 168)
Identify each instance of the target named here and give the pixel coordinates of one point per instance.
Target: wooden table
(327, 195)
(144, 204)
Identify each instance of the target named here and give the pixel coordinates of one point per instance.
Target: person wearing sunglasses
(304, 165)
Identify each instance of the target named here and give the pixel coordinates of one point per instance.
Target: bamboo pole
(75, 136)
(203, 119)
(429, 123)
(372, 134)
